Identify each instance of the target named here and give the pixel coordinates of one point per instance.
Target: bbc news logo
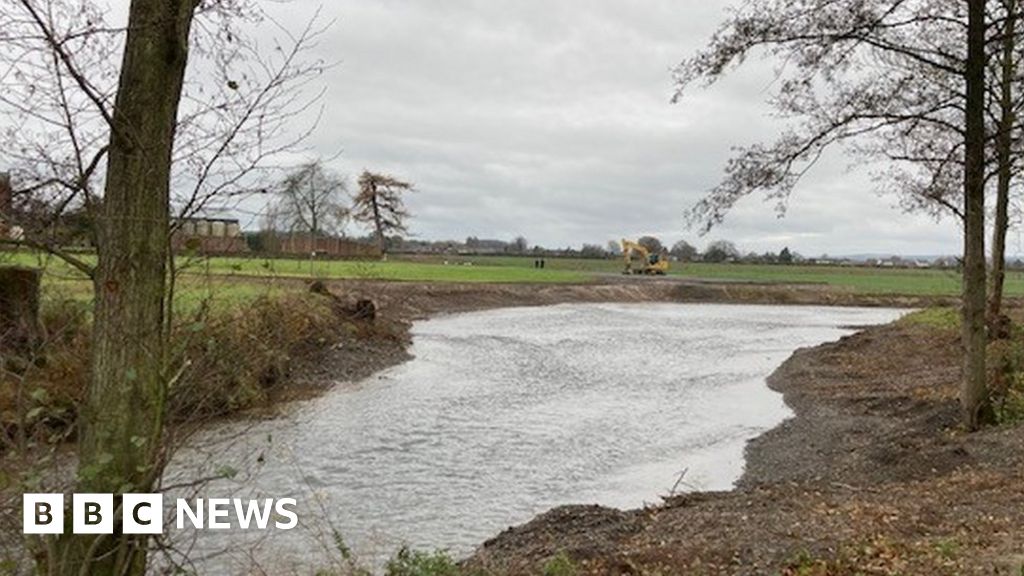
(144, 514)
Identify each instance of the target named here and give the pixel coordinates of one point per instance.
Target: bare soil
(414, 300)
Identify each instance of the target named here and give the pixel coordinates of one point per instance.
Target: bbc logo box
(143, 513)
(93, 514)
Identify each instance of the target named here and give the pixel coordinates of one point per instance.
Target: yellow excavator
(640, 260)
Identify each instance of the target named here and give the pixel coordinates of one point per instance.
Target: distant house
(208, 236)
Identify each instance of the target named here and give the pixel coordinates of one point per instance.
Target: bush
(231, 359)
(222, 359)
(1005, 364)
(417, 563)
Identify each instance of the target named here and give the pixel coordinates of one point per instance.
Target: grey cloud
(551, 119)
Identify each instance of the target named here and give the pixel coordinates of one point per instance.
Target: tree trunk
(1004, 143)
(377, 221)
(122, 418)
(973, 392)
(5, 203)
(19, 308)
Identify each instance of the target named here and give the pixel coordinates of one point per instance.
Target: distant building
(484, 246)
(330, 246)
(208, 235)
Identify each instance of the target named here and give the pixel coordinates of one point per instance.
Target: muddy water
(504, 414)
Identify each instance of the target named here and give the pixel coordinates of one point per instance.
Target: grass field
(203, 278)
(864, 280)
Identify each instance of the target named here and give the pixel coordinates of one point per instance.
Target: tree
(593, 251)
(973, 391)
(721, 251)
(310, 200)
(785, 257)
(380, 204)
(614, 247)
(122, 426)
(520, 245)
(651, 243)
(237, 113)
(684, 251)
(1004, 141)
(98, 123)
(873, 74)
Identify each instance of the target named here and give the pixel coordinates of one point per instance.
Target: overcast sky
(551, 119)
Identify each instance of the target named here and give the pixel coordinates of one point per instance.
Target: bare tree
(857, 71)
(974, 401)
(684, 251)
(122, 425)
(1004, 153)
(593, 251)
(652, 244)
(85, 134)
(380, 204)
(311, 200)
(720, 251)
(238, 111)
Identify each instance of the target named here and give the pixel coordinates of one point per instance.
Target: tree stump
(19, 307)
(364, 309)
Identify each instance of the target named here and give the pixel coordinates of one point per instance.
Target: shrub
(230, 359)
(1005, 364)
(222, 359)
(418, 563)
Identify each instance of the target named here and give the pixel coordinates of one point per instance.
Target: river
(503, 414)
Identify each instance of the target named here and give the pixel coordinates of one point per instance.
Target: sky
(552, 120)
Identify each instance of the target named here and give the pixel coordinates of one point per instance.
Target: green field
(203, 277)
